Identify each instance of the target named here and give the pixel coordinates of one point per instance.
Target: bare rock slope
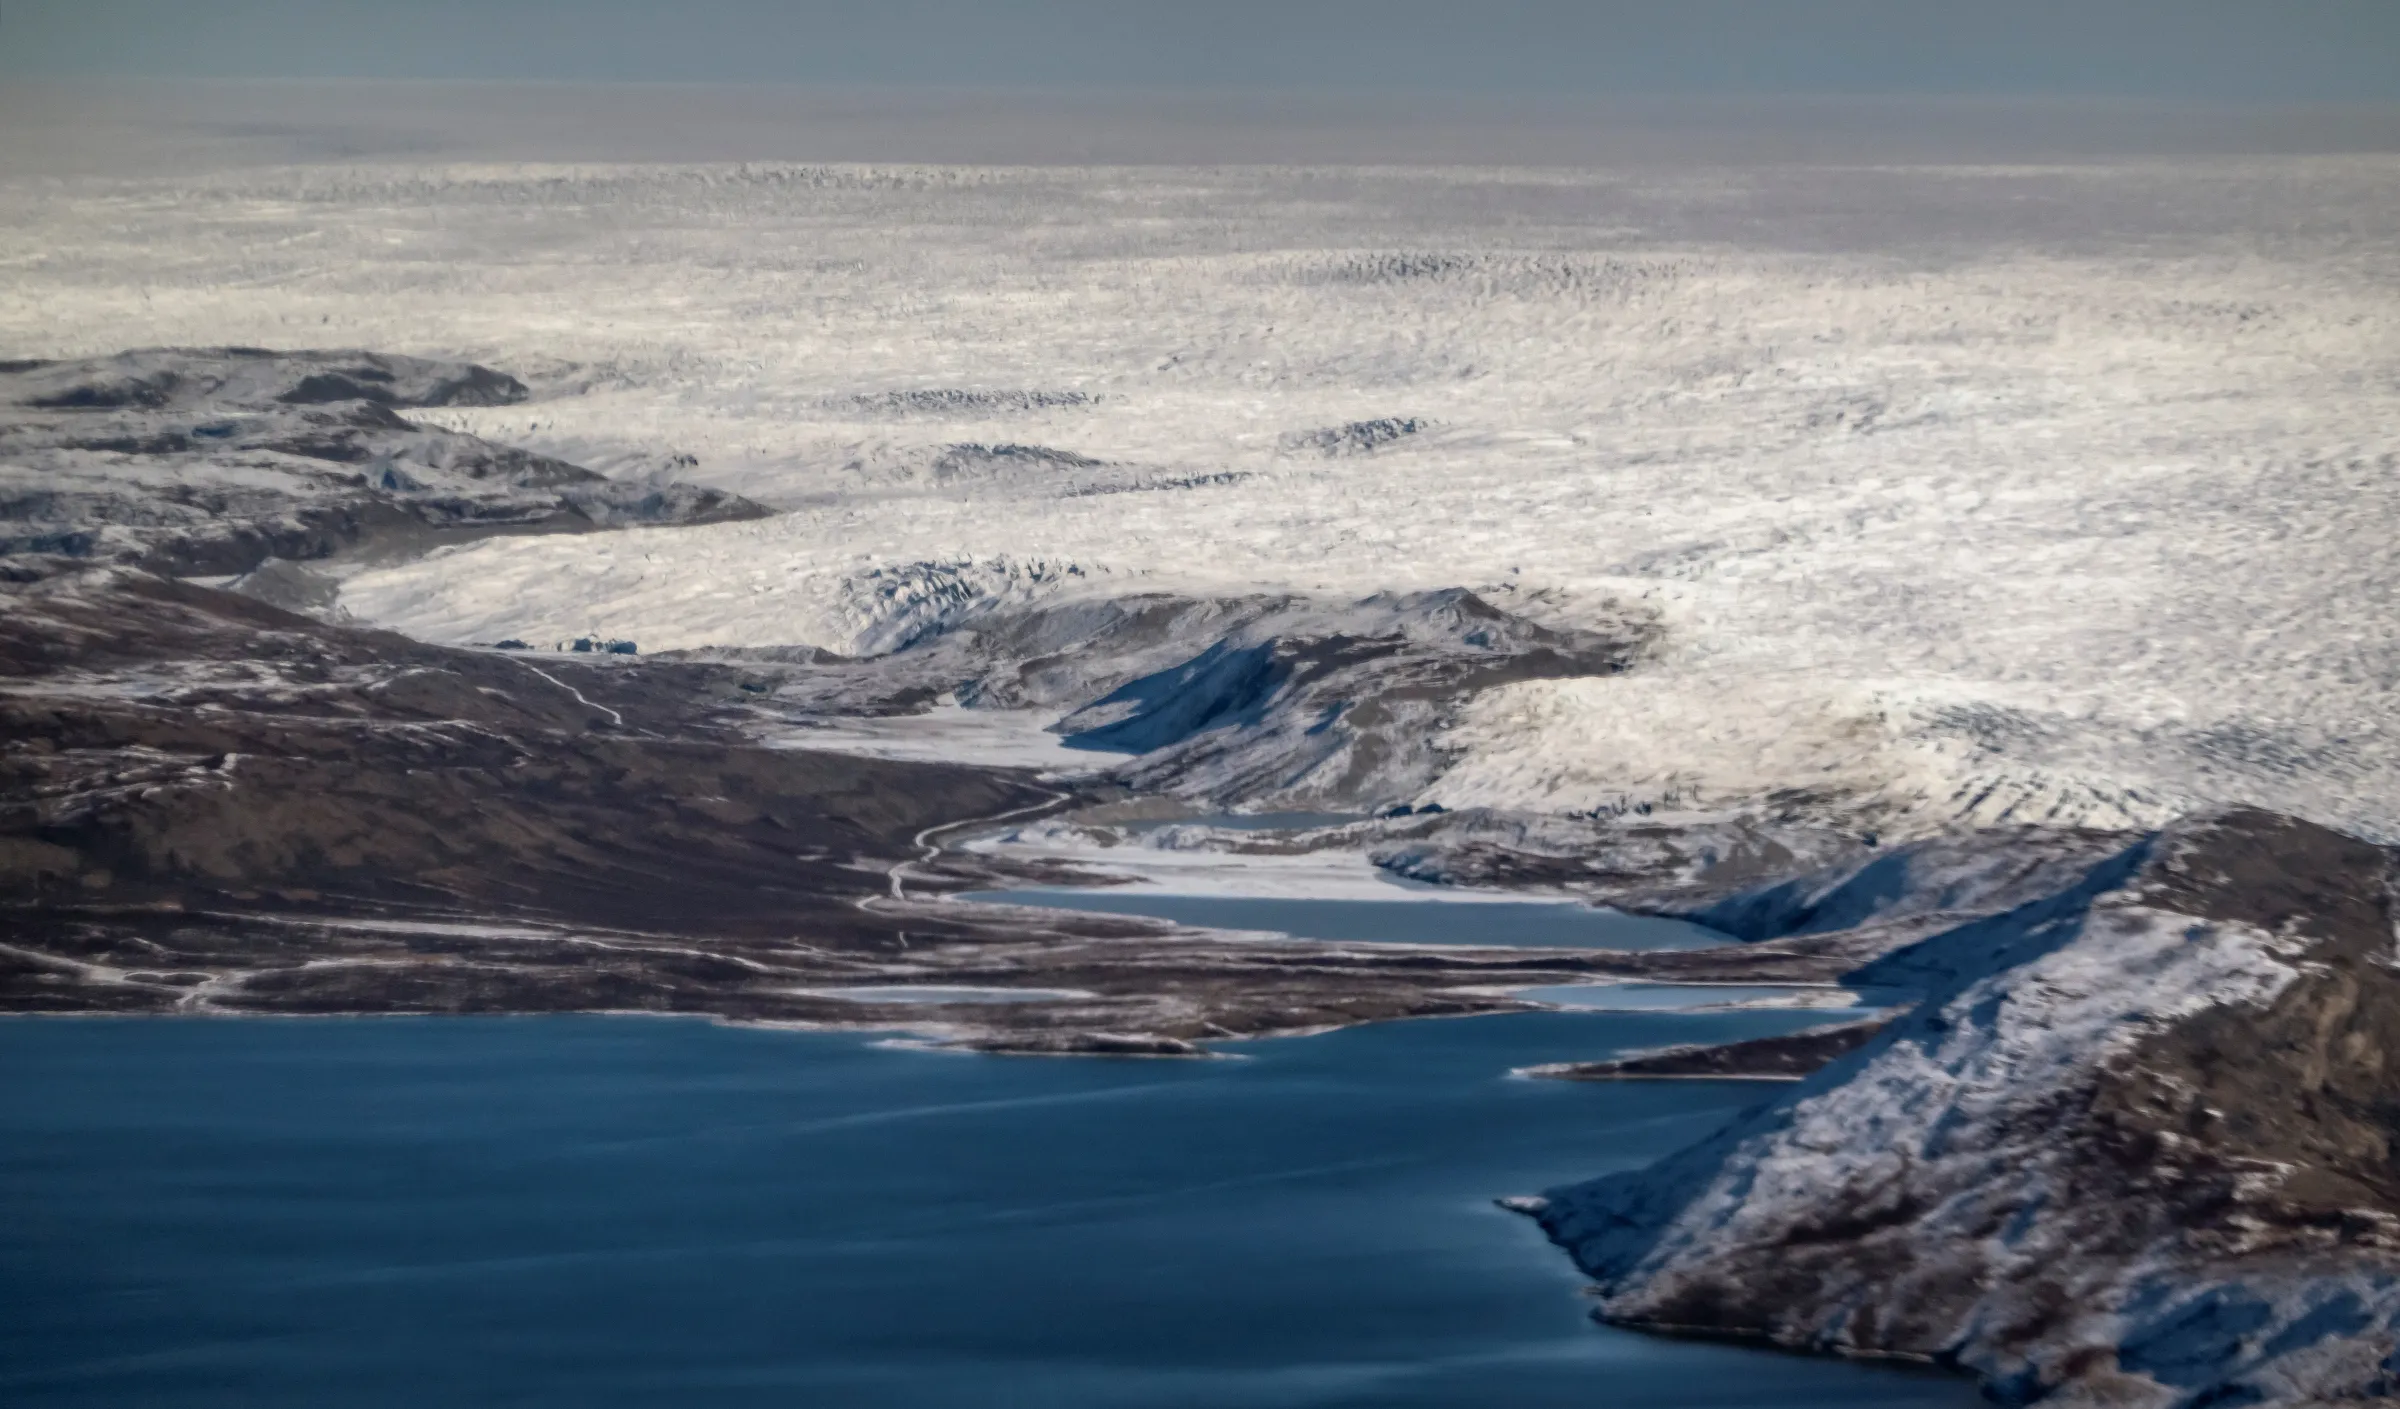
(2135, 1148)
(210, 805)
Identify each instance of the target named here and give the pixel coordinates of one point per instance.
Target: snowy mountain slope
(1793, 869)
(1918, 888)
(200, 380)
(1261, 701)
(2133, 1149)
(1310, 705)
(2029, 494)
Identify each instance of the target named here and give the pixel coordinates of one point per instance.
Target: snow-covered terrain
(2016, 494)
(2129, 1150)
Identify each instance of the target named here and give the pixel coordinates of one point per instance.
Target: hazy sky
(2238, 50)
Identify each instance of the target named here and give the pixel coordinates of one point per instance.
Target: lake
(1533, 924)
(585, 1211)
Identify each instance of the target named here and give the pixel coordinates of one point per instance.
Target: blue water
(598, 1212)
(1529, 923)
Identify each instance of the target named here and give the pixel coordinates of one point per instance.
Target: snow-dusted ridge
(226, 460)
(2132, 1149)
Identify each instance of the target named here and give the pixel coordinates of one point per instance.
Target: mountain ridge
(2133, 1148)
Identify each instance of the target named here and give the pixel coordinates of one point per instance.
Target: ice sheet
(2011, 494)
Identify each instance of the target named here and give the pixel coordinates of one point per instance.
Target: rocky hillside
(1267, 700)
(2134, 1148)
(211, 461)
(212, 805)
(175, 750)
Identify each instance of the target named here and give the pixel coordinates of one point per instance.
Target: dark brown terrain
(209, 804)
(218, 796)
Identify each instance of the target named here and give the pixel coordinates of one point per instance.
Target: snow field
(1998, 494)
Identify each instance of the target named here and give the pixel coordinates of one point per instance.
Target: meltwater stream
(587, 1211)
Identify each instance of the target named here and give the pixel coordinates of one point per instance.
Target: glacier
(1992, 495)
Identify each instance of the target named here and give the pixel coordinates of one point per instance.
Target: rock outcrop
(2134, 1148)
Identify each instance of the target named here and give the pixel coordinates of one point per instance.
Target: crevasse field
(2060, 494)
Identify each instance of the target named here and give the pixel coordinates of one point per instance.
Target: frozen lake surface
(1541, 924)
(602, 1211)
(999, 738)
